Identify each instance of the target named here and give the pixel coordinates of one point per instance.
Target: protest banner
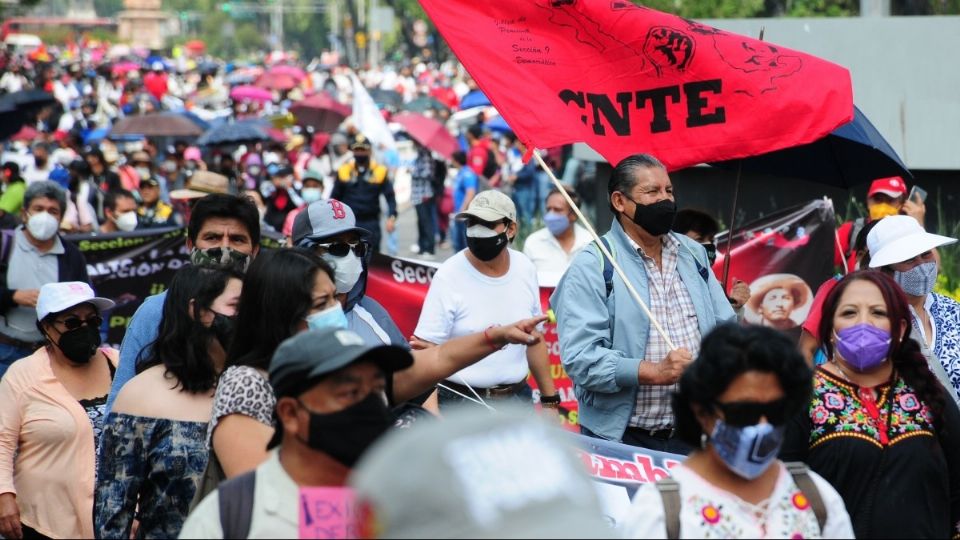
(625, 78)
(329, 512)
(127, 267)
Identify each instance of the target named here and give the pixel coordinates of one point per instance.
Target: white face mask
(347, 270)
(481, 231)
(127, 221)
(144, 172)
(310, 195)
(42, 226)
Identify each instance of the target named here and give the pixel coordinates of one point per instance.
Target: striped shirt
(671, 305)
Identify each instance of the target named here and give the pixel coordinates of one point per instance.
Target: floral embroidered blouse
(897, 473)
(707, 511)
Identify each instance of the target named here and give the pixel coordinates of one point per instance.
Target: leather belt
(26, 345)
(494, 391)
(662, 434)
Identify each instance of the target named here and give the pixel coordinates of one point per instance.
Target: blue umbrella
(854, 153)
(497, 123)
(189, 115)
(474, 98)
(233, 133)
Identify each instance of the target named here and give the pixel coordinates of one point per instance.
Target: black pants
(426, 225)
(642, 439)
(372, 225)
(32, 534)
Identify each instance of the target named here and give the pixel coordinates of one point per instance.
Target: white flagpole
(603, 249)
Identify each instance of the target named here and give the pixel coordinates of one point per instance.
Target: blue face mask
(749, 450)
(332, 317)
(556, 223)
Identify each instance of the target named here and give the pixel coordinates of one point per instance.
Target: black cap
(302, 359)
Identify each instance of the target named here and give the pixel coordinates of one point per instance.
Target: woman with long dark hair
(880, 427)
(292, 290)
(153, 452)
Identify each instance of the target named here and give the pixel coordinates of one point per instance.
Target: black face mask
(362, 161)
(487, 249)
(80, 344)
(711, 252)
(222, 327)
(345, 435)
(656, 218)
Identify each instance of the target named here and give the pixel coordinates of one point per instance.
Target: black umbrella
(29, 100)
(852, 154)
(233, 133)
(425, 103)
(11, 120)
(385, 98)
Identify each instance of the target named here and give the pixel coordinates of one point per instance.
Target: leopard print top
(242, 390)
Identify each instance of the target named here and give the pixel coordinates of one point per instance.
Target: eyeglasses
(72, 323)
(749, 413)
(340, 249)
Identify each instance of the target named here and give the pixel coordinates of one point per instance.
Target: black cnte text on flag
(616, 111)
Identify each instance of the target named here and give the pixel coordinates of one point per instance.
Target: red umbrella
(428, 132)
(321, 112)
(253, 93)
(26, 134)
(277, 81)
(195, 46)
(286, 69)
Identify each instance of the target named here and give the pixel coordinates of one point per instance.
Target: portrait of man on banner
(780, 301)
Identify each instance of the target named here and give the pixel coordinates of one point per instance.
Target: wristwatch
(550, 400)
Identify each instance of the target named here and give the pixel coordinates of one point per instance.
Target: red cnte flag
(627, 79)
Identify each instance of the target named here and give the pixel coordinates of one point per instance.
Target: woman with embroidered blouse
(880, 427)
(153, 453)
(51, 414)
(734, 402)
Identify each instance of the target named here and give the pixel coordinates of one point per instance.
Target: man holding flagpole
(623, 369)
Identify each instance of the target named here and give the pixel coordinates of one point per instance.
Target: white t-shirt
(463, 301)
(707, 511)
(547, 254)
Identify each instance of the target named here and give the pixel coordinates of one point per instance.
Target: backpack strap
(236, 504)
(701, 269)
(801, 477)
(670, 493)
(607, 265)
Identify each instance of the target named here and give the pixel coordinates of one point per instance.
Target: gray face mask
(919, 280)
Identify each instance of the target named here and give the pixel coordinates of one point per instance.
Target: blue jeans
(426, 225)
(10, 354)
(458, 236)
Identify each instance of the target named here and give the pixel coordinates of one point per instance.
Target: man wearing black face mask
(623, 370)
(331, 406)
(482, 286)
(360, 184)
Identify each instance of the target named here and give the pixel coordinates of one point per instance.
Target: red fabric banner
(625, 79)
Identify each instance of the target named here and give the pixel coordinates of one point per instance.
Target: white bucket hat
(900, 238)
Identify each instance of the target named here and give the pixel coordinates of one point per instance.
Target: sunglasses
(340, 249)
(72, 323)
(749, 413)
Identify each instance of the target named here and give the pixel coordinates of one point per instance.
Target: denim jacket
(602, 339)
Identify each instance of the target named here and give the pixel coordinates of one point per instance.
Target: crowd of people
(260, 371)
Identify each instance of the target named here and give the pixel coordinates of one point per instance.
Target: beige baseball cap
(490, 206)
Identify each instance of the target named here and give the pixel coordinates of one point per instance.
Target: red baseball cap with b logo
(893, 186)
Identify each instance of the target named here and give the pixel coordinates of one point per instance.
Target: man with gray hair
(31, 256)
(624, 371)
